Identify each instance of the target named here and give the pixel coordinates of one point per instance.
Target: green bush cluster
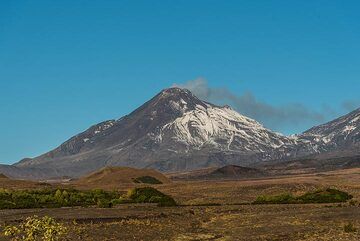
(150, 195)
(321, 196)
(147, 180)
(325, 196)
(54, 198)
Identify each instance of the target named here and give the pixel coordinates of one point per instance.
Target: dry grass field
(217, 210)
(6, 182)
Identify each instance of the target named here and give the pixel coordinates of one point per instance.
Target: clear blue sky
(65, 65)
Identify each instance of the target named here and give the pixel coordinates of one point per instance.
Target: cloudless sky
(66, 65)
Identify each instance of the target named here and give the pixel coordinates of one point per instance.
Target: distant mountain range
(176, 131)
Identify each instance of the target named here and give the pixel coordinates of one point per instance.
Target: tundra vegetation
(55, 198)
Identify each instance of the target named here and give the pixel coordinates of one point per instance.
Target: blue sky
(65, 65)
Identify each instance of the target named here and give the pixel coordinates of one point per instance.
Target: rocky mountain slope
(176, 131)
(342, 133)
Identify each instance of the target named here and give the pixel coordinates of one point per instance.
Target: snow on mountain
(222, 128)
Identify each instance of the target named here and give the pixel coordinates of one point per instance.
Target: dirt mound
(115, 176)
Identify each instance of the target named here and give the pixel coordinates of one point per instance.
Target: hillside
(339, 134)
(117, 176)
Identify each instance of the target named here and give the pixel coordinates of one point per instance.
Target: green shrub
(325, 196)
(117, 201)
(24, 200)
(147, 180)
(121, 200)
(104, 203)
(5, 204)
(52, 198)
(166, 202)
(143, 194)
(150, 195)
(321, 196)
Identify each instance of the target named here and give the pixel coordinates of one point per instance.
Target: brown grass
(21, 184)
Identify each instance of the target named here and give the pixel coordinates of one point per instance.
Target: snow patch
(348, 129)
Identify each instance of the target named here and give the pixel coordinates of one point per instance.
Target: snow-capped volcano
(173, 131)
(177, 131)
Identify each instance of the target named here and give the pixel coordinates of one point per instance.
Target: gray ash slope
(175, 131)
